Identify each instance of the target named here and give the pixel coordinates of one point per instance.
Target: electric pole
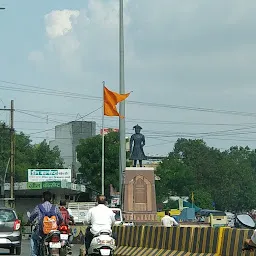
(12, 154)
(122, 151)
(12, 162)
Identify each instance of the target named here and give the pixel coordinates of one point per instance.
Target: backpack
(48, 221)
(65, 215)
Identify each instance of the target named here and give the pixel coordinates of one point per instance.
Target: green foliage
(89, 155)
(171, 204)
(225, 178)
(27, 155)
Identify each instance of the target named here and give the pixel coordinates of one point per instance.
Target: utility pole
(12, 154)
(12, 159)
(122, 150)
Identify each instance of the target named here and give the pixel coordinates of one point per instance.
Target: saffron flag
(110, 101)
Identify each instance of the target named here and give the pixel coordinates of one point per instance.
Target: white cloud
(59, 23)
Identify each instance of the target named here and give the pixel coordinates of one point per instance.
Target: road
(26, 249)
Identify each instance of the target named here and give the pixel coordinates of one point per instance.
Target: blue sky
(198, 54)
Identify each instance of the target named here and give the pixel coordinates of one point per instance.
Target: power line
(155, 121)
(62, 122)
(48, 91)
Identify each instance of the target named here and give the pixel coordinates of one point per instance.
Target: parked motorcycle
(245, 221)
(103, 244)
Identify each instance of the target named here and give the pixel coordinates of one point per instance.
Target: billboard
(43, 175)
(108, 130)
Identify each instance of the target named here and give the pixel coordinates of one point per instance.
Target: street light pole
(122, 150)
(4, 179)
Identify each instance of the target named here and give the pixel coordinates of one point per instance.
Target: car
(10, 231)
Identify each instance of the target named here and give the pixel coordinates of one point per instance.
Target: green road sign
(52, 184)
(34, 185)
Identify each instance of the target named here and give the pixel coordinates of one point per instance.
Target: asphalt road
(26, 249)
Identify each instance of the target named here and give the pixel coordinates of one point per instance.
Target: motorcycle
(103, 244)
(50, 244)
(245, 221)
(64, 240)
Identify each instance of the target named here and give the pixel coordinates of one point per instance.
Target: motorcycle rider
(37, 214)
(99, 218)
(252, 241)
(67, 219)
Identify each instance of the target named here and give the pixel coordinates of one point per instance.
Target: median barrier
(232, 241)
(154, 240)
(205, 240)
(158, 241)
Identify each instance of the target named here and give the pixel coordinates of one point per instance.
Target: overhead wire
(49, 91)
(62, 122)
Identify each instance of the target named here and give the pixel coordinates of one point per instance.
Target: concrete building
(67, 138)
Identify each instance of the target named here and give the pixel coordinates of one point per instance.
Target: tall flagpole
(122, 150)
(103, 146)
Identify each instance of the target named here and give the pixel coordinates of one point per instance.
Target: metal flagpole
(122, 151)
(103, 147)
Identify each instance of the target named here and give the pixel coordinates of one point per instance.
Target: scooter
(103, 244)
(245, 221)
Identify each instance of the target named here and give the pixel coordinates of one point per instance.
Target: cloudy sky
(190, 65)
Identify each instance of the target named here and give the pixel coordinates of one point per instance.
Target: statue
(137, 142)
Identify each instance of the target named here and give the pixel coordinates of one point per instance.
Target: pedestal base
(140, 217)
(139, 194)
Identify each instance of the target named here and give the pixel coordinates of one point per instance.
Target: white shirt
(169, 221)
(253, 238)
(70, 212)
(100, 217)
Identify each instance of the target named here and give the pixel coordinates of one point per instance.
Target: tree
(46, 158)
(27, 155)
(89, 155)
(225, 178)
(24, 156)
(175, 178)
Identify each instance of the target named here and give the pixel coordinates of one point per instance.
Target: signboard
(108, 130)
(34, 185)
(52, 184)
(42, 175)
(115, 201)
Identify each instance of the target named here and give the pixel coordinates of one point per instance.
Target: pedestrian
(168, 221)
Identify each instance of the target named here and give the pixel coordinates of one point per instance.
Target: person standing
(168, 221)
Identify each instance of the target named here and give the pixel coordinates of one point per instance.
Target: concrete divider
(205, 240)
(153, 240)
(157, 241)
(232, 242)
(162, 241)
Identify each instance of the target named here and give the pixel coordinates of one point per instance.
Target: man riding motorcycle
(67, 219)
(38, 214)
(98, 218)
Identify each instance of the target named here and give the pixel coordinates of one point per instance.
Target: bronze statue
(137, 142)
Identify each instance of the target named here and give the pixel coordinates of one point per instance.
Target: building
(67, 138)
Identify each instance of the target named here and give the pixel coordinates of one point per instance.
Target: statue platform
(140, 195)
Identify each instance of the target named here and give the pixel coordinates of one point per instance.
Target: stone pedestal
(140, 195)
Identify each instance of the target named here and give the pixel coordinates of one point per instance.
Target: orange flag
(110, 101)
